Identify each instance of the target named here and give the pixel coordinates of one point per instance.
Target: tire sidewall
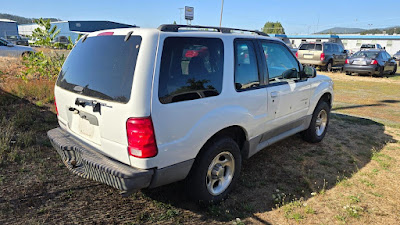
(197, 177)
(321, 106)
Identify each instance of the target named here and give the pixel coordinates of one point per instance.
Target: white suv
(140, 108)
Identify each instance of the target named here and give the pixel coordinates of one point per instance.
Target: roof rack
(175, 28)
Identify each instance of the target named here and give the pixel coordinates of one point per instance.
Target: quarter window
(246, 69)
(280, 62)
(191, 68)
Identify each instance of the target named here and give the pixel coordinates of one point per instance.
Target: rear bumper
(88, 163)
(313, 62)
(371, 69)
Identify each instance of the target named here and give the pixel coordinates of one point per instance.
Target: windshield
(101, 67)
(365, 54)
(317, 47)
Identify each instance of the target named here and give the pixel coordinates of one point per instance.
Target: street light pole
(222, 9)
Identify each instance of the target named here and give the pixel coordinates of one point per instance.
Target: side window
(340, 49)
(335, 48)
(280, 62)
(327, 48)
(191, 68)
(246, 69)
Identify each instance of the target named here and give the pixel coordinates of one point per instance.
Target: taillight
(297, 54)
(55, 104)
(374, 62)
(105, 34)
(322, 57)
(141, 138)
(346, 62)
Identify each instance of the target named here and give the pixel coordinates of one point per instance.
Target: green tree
(45, 34)
(273, 28)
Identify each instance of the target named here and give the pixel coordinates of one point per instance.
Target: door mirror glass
(310, 72)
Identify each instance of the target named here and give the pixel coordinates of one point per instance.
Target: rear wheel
(394, 70)
(319, 123)
(348, 73)
(328, 67)
(380, 71)
(215, 171)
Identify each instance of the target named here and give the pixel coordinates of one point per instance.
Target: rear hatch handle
(95, 104)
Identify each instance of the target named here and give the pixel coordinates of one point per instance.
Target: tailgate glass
(101, 67)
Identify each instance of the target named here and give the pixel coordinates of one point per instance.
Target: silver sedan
(8, 49)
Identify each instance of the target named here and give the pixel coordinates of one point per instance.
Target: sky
(296, 16)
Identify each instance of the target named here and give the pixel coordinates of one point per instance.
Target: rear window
(317, 47)
(365, 54)
(367, 46)
(101, 67)
(191, 68)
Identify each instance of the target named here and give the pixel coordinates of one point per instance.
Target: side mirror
(310, 72)
(345, 51)
(10, 45)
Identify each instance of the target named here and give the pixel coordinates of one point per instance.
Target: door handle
(274, 94)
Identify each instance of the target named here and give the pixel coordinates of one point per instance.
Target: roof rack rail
(175, 28)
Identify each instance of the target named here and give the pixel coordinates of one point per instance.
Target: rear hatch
(93, 89)
(310, 51)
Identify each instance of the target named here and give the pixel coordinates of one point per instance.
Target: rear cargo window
(101, 67)
(191, 68)
(317, 47)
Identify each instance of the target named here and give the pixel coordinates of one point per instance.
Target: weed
(309, 210)
(376, 194)
(354, 199)
(382, 159)
(367, 183)
(353, 211)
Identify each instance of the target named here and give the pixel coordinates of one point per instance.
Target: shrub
(40, 65)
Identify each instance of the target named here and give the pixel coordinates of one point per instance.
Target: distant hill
(341, 30)
(22, 20)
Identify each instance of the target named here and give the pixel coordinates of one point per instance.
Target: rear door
(93, 92)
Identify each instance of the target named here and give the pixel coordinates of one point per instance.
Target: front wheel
(319, 123)
(215, 171)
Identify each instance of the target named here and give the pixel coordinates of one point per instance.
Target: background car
(11, 50)
(17, 40)
(396, 56)
(373, 62)
(325, 55)
(371, 46)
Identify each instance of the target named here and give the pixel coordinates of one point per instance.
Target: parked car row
(370, 59)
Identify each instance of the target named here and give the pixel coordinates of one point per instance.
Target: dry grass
(351, 177)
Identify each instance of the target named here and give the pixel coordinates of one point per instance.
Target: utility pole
(222, 10)
(180, 15)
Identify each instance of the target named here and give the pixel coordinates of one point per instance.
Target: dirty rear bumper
(86, 162)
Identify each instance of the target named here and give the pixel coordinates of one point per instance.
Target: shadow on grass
(381, 103)
(291, 169)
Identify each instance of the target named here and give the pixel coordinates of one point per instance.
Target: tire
(328, 67)
(348, 73)
(210, 181)
(394, 70)
(319, 124)
(380, 74)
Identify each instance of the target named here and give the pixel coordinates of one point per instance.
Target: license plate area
(308, 56)
(362, 63)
